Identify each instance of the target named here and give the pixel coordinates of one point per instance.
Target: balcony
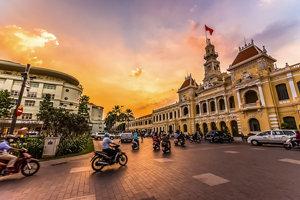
(249, 105)
(222, 111)
(212, 112)
(232, 109)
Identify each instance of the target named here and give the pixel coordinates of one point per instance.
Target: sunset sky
(137, 53)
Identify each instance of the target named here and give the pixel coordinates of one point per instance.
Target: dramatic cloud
(17, 42)
(136, 73)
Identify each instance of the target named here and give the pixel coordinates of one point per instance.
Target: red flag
(209, 29)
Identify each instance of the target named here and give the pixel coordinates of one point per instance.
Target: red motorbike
(156, 144)
(28, 165)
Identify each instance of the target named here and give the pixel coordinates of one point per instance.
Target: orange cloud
(136, 73)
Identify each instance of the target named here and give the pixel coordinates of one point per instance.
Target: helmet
(106, 135)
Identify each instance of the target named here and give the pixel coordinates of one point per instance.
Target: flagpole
(205, 33)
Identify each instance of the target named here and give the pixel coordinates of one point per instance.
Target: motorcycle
(101, 159)
(176, 141)
(166, 147)
(28, 165)
(291, 143)
(156, 145)
(181, 141)
(134, 145)
(198, 140)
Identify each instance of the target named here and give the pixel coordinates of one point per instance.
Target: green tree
(110, 120)
(5, 104)
(83, 109)
(45, 112)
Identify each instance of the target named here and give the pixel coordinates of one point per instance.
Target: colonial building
(254, 96)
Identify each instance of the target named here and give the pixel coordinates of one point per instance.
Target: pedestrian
(242, 135)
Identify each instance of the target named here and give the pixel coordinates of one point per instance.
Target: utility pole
(14, 119)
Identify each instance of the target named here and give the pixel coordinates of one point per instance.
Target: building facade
(64, 89)
(253, 96)
(96, 118)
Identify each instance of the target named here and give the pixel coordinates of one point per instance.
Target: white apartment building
(96, 118)
(65, 92)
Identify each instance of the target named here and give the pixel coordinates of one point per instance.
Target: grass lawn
(88, 149)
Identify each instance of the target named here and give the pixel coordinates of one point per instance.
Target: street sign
(19, 110)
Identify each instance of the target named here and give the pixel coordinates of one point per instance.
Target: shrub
(35, 146)
(72, 144)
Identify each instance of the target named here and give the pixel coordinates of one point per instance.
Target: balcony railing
(232, 109)
(212, 112)
(250, 105)
(222, 111)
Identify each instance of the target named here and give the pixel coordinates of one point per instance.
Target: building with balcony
(253, 96)
(64, 89)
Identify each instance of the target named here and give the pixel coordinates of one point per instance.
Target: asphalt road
(197, 171)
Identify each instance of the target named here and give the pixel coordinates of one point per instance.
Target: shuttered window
(282, 92)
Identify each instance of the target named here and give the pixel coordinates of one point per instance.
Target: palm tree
(117, 110)
(128, 116)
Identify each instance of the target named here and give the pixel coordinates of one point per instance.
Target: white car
(271, 137)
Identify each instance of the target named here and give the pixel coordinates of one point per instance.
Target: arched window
(197, 127)
(213, 126)
(197, 109)
(185, 111)
(184, 128)
(231, 102)
(212, 106)
(204, 108)
(171, 115)
(222, 104)
(254, 125)
(291, 121)
(223, 125)
(251, 96)
(282, 92)
(205, 129)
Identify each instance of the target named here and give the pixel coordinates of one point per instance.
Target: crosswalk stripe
(290, 161)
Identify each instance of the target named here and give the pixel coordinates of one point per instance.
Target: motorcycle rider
(175, 135)
(4, 148)
(136, 139)
(105, 146)
(166, 139)
(298, 137)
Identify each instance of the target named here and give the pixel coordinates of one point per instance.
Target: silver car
(271, 137)
(126, 137)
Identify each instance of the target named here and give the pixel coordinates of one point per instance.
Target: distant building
(96, 118)
(64, 89)
(255, 96)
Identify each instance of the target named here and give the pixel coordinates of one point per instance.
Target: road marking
(163, 160)
(89, 197)
(290, 161)
(258, 149)
(80, 169)
(231, 152)
(210, 179)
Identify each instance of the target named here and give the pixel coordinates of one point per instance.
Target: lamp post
(25, 77)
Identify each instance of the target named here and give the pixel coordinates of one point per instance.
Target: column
(189, 111)
(225, 101)
(239, 98)
(261, 94)
(180, 111)
(216, 105)
(174, 128)
(207, 108)
(200, 109)
(293, 89)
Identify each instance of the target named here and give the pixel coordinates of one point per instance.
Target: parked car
(32, 134)
(272, 137)
(126, 137)
(99, 136)
(117, 135)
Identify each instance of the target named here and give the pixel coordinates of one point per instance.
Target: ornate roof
(189, 81)
(246, 53)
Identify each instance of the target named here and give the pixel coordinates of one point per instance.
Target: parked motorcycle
(198, 140)
(156, 145)
(291, 143)
(134, 145)
(166, 147)
(101, 159)
(28, 165)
